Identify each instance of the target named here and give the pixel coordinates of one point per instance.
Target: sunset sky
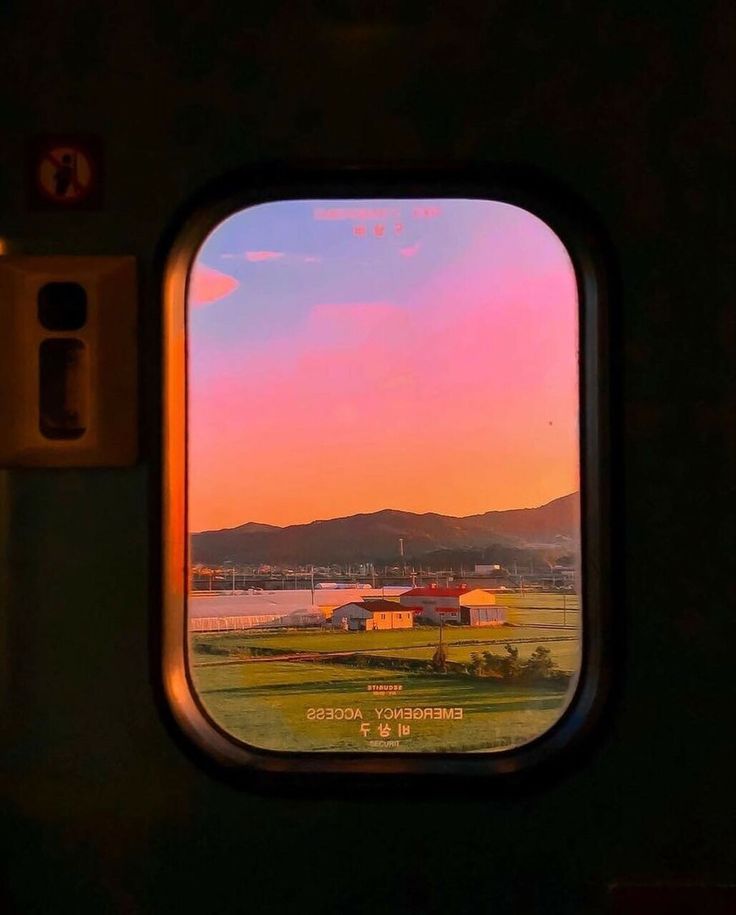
(349, 356)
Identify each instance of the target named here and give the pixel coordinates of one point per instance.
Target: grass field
(555, 609)
(313, 640)
(566, 654)
(267, 704)
(538, 600)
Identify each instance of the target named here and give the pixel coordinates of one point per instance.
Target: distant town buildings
(339, 585)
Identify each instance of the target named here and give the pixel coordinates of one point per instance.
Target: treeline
(501, 554)
(539, 668)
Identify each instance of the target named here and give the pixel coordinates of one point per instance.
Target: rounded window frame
(583, 241)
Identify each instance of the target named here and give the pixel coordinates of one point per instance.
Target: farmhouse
(461, 605)
(372, 614)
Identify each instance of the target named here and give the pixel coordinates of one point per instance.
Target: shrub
(539, 667)
(439, 659)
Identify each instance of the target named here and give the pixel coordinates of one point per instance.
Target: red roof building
(432, 591)
(451, 605)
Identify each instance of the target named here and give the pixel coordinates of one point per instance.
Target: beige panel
(110, 375)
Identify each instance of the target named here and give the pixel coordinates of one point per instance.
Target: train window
(377, 452)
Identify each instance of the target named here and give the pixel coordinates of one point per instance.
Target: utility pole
(311, 570)
(564, 609)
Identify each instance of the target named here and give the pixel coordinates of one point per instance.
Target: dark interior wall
(624, 103)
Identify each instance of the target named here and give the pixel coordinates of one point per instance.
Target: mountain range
(375, 536)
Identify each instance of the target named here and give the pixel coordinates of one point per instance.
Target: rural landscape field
(383, 477)
(267, 687)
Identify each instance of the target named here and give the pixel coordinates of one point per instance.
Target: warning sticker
(65, 173)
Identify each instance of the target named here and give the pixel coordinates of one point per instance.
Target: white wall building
(452, 605)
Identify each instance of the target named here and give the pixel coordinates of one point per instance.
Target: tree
(510, 666)
(540, 664)
(439, 659)
(476, 664)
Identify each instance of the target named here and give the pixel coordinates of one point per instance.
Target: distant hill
(375, 536)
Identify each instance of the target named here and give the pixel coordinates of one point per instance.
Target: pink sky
(452, 388)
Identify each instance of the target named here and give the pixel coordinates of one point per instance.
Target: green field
(316, 640)
(566, 653)
(538, 600)
(266, 704)
(554, 609)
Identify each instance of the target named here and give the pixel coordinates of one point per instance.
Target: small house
(372, 614)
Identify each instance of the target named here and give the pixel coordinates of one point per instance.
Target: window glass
(383, 476)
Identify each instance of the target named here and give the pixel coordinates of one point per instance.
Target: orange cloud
(208, 285)
(256, 256)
